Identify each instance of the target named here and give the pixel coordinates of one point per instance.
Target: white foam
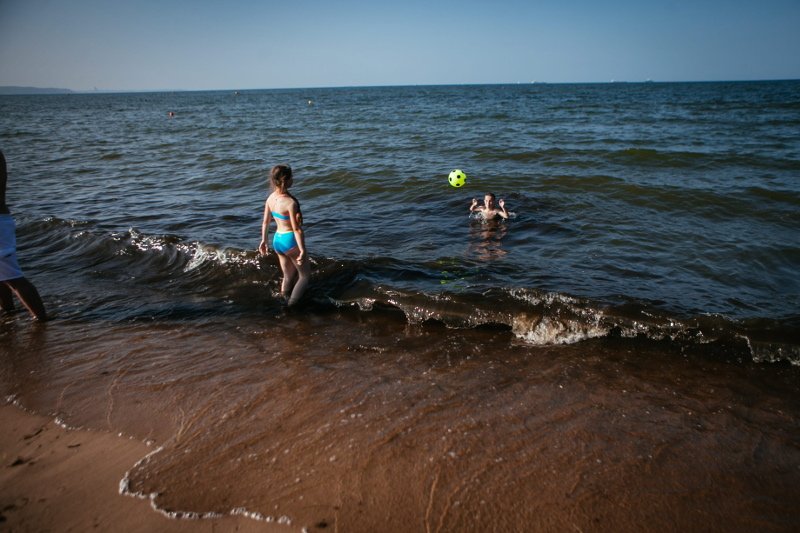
(772, 352)
(547, 331)
(125, 490)
(60, 422)
(537, 298)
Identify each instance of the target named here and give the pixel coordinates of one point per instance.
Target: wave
(181, 273)
(550, 318)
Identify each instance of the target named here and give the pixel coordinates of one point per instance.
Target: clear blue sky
(247, 44)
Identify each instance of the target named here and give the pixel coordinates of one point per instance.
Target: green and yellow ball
(457, 178)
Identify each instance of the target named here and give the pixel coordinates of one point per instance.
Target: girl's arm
(262, 248)
(296, 219)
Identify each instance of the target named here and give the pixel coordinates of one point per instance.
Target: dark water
(674, 200)
(656, 219)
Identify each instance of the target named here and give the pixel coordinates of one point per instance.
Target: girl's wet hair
(280, 175)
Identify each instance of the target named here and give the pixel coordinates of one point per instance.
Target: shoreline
(430, 435)
(57, 479)
(697, 465)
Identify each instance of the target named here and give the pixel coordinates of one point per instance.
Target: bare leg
(6, 300)
(29, 297)
(289, 275)
(304, 275)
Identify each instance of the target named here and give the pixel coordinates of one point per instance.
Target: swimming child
(288, 241)
(11, 279)
(488, 209)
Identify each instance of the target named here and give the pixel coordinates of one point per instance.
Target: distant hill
(10, 89)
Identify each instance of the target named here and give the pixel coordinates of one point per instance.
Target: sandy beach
(607, 445)
(56, 479)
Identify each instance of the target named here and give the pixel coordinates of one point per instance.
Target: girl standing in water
(288, 242)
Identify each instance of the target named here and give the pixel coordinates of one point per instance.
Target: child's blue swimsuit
(282, 242)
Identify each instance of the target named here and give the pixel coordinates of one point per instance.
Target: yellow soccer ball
(457, 178)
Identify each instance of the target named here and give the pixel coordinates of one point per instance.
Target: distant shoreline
(13, 89)
(19, 90)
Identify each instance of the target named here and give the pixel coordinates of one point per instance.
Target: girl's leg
(304, 275)
(289, 274)
(6, 301)
(29, 297)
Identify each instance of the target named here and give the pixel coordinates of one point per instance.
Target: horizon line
(310, 87)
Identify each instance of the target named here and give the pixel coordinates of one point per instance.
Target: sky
(251, 44)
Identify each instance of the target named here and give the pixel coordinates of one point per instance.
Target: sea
(622, 353)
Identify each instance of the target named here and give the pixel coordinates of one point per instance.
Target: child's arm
(474, 206)
(262, 248)
(295, 218)
(502, 211)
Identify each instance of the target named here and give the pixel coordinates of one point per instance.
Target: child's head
(281, 177)
(488, 200)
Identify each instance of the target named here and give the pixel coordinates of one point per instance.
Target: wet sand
(375, 426)
(54, 479)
